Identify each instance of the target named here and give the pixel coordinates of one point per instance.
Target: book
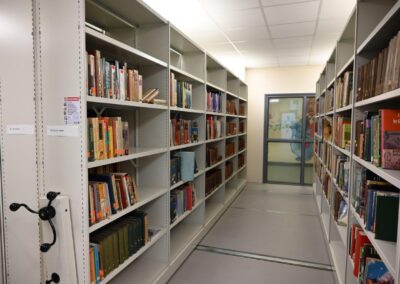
(376, 272)
(390, 138)
(386, 216)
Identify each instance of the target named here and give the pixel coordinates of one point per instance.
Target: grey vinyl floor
(270, 234)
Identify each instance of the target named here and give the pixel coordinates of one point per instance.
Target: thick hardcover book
(361, 240)
(386, 216)
(390, 138)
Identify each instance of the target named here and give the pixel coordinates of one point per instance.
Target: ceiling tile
(294, 42)
(254, 46)
(224, 5)
(333, 9)
(291, 52)
(292, 30)
(294, 13)
(238, 19)
(282, 2)
(293, 60)
(247, 34)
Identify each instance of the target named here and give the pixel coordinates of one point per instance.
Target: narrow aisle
(270, 234)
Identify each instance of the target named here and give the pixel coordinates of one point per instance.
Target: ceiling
(260, 33)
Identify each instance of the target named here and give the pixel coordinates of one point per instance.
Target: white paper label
(72, 110)
(20, 129)
(63, 130)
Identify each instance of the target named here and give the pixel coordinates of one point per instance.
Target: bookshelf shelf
(229, 115)
(214, 191)
(242, 134)
(183, 146)
(100, 41)
(181, 235)
(139, 152)
(346, 66)
(189, 110)
(392, 176)
(395, 94)
(119, 104)
(344, 109)
(330, 113)
(147, 195)
(187, 213)
(215, 140)
(211, 211)
(215, 113)
(386, 250)
(331, 83)
(133, 40)
(186, 75)
(127, 262)
(341, 150)
(215, 165)
(383, 31)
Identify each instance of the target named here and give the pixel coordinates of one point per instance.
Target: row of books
(108, 137)
(231, 128)
(231, 107)
(109, 194)
(113, 245)
(377, 202)
(241, 144)
(182, 199)
(342, 132)
(212, 155)
(241, 161)
(213, 180)
(183, 166)
(329, 95)
(340, 210)
(378, 138)
(112, 79)
(242, 109)
(341, 171)
(229, 148)
(183, 131)
(326, 155)
(228, 169)
(327, 128)
(343, 90)
(381, 74)
(242, 126)
(327, 185)
(214, 127)
(180, 93)
(368, 266)
(214, 102)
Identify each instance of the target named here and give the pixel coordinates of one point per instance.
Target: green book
(386, 216)
(377, 148)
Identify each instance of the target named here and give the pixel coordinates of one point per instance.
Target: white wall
(282, 80)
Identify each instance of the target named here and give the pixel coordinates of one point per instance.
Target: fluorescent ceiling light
(274, 100)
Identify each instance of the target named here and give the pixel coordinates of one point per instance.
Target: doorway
(288, 138)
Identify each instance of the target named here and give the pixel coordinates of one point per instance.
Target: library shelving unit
(369, 29)
(129, 32)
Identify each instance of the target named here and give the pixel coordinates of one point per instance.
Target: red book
(362, 239)
(189, 200)
(390, 138)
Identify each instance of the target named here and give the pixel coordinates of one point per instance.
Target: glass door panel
(289, 132)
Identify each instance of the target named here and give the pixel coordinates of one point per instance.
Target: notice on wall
(72, 110)
(20, 129)
(63, 130)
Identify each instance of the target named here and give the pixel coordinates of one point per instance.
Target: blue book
(107, 179)
(96, 262)
(187, 165)
(376, 272)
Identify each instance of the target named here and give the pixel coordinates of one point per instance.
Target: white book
(122, 90)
